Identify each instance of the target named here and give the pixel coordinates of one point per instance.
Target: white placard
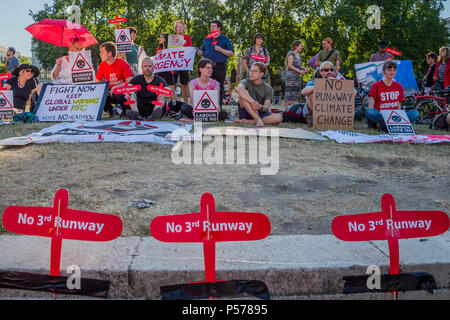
(123, 40)
(81, 66)
(71, 102)
(397, 122)
(174, 59)
(6, 104)
(206, 105)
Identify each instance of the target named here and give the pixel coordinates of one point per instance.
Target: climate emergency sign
(62, 102)
(175, 59)
(333, 104)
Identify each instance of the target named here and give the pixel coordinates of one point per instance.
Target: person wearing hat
(23, 85)
(381, 55)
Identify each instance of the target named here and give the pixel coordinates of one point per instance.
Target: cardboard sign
(6, 104)
(206, 105)
(209, 226)
(391, 225)
(59, 222)
(71, 102)
(123, 40)
(175, 41)
(397, 122)
(258, 57)
(174, 59)
(333, 104)
(81, 66)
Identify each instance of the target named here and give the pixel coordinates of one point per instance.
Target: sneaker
(117, 109)
(156, 114)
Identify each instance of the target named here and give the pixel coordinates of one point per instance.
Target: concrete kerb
(291, 266)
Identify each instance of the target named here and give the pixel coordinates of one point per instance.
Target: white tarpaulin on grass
(352, 137)
(108, 131)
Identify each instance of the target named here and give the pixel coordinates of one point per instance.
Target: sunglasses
(29, 70)
(327, 70)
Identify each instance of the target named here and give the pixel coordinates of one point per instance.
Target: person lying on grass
(255, 98)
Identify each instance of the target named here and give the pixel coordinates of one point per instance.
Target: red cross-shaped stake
(118, 20)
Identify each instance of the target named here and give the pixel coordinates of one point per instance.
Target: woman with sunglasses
(167, 75)
(23, 85)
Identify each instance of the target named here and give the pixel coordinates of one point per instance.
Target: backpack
(25, 117)
(440, 121)
(295, 113)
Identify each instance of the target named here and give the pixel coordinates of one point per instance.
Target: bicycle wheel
(427, 110)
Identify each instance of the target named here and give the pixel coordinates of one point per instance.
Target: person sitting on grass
(326, 70)
(117, 72)
(386, 94)
(144, 106)
(255, 98)
(203, 82)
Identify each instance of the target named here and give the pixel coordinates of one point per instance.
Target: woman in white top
(61, 73)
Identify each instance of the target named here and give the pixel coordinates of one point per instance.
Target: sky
(14, 19)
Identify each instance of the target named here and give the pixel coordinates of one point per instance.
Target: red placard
(127, 89)
(209, 226)
(159, 90)
(213, 35)
(390, 225)
(5, 76)
(258, 57)
(59, 222)
(117, 20)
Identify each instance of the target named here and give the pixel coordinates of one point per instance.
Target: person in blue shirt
(11, 61)
(218, 53)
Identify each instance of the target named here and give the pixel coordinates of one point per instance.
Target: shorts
(243, 114)
(168, 76)
(183, 75)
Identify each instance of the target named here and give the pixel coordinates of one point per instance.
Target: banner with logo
(353, 137)
(107, 131)
(175, 59)
(370, 72)
(71, 102)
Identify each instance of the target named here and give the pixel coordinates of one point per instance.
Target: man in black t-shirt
(144, 97)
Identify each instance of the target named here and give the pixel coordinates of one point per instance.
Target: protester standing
(294, 68)
(386, 94)
(329, 53)
(442, 70)
(217, 53)
(382, 54)
(183, 75)
(11, 61)
(166, 75)
(256, 50)
(132, 56)
(428, 80)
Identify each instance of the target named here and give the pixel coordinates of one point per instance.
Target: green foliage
(411, 26)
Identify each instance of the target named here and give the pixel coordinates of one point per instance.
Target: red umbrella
(61, 32)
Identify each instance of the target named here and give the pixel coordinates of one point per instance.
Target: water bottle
(233, 113)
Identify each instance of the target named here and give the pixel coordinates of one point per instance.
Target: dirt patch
(316, 181)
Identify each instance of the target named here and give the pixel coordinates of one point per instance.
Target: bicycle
(430, 104)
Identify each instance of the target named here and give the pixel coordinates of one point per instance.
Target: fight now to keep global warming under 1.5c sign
(71, 102)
